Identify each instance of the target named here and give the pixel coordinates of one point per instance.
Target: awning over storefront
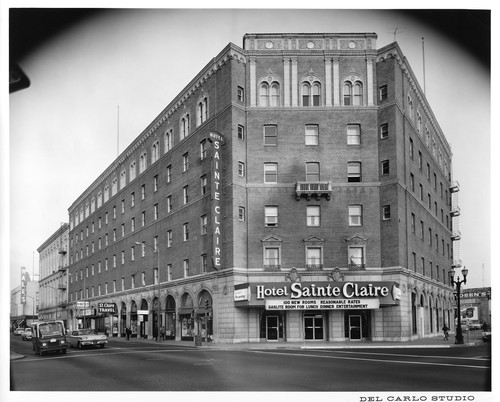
(186, 311)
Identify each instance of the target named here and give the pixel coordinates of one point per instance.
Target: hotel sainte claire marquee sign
(217, 140)
(318, 296)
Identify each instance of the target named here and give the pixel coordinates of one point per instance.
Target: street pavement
(429, 342)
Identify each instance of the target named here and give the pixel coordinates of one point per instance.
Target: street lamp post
(459, 337)
(157, 250)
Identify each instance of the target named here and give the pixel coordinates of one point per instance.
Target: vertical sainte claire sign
(217, 140)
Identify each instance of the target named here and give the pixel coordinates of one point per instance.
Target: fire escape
(455, 232)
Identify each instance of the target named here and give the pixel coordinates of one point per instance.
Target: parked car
(80, 338)
(18, 331)
(27, 334)
(487, 336)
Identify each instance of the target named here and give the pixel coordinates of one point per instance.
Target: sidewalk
(432, 342)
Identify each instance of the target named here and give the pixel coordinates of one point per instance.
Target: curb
(16, 356)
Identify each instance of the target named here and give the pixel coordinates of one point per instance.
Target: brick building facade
(298, 188)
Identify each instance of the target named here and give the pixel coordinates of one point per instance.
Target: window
(143, 218)
(312, 171)
(240, 94)
(271, 216)
(185, 162)
(313, 215)
(169, 238)
(114, 260)
(123, 178)
(412, 182)
(143, 249)
(132, 199)
(204, 224)
(132, 253)
(355, 215)
(272, 256)
(132, 281)
(384, 131)
(114, 186)
(275, 94)
(155, 243)
(184, 126)
(312, 135)
(313, 257)
(155, 183)
(306, 94)
(185, 196)
(185, 231)
(353, 134)
(420, 160)
(241, 214)
(353, 94)
(123, 206)
(271, 135)
(155, 211)
(143, 192)
(169, 173)
(123, 229)
(123, 257)
(169, 140)
(142, 162)
(241, 132)
(132, 225)
(264, 94)
(143, 278)
(430, 237)
(412, 223)
(270, 173)
(203, 149)
(169, 272)
(422, 230)
(411, 148)
(353, 172)
(132, 170)
(202, 111)
(185, 265)
(386, 212)
(114, 235)
(169, 203)
(382, 93)
(123, 283)
(155, 151)
(241, 169)
(356, 256)
(203, 264)
(203, 183)
(421, 192)
(385, 167)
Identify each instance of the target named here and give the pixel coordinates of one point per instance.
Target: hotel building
(297, 189)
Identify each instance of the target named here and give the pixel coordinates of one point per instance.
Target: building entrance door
(313, 327)
(272, 330)
(355, 327)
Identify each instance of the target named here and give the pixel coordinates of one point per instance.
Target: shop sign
(217, 140)
(23, 285)
(82, 304)
(242, 294)
(323, 304)
(107, 308)
(142, 312)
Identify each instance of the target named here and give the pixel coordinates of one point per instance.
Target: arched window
(347, 94)
(99, 199)
(275, 94)
(106, 193)
(264, 94)
(202, 111)
(169, 140)
(142, 162)
(132, 170)
(316, 94)
(114, 186)
(306, 94)
(353, 93)
(357, 91)
(155, 151)
(410, 107)
(123, 179)
(184, 126)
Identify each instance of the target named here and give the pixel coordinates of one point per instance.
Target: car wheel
(102, 346)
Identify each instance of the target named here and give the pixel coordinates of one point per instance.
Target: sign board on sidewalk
(82, 304)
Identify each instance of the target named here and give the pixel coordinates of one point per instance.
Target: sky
(97, 84)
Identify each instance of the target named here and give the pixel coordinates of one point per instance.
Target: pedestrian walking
(445, 331)
(162, 333)
(485, 327)
(127, 332)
